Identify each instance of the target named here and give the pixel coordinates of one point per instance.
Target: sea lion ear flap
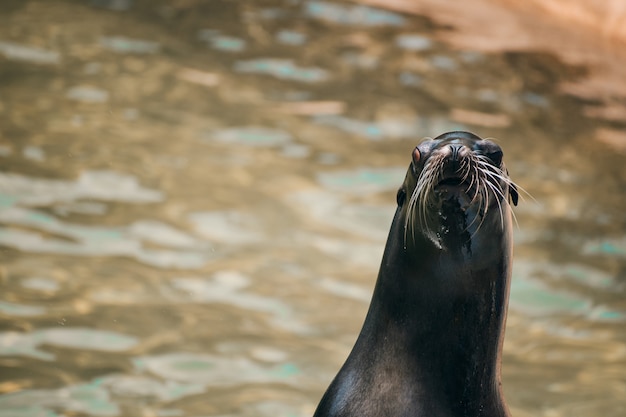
(400, 197)
(513, 194)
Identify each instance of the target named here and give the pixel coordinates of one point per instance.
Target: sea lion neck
(442, 316)
(418, 278)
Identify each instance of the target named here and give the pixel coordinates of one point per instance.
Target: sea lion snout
(452, 158)
(455, 151)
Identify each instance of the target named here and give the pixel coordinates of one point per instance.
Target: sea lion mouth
(456, 184)
(455, 190)
(452, 186)
(453, 182)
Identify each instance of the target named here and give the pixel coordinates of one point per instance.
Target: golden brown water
(195, 195)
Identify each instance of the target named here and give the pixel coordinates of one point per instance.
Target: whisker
(484, 161)
(498, 192)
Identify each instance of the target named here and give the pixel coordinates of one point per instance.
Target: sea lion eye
(400, 197)
(490, 150)
(416, 155)
(496, 157)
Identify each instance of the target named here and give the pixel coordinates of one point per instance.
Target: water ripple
(282, 68)
(98, 185)
(352, 14)
(27, 344)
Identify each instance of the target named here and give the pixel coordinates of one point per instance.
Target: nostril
(455, 152)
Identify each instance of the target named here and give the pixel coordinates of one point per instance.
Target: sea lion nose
(456, 152)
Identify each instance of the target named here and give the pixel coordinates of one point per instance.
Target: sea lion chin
(432, 338)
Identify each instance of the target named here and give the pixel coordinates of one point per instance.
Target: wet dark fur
(431, 342)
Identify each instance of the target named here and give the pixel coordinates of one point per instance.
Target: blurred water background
(195, 194)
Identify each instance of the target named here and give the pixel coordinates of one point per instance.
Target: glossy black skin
(432, 339)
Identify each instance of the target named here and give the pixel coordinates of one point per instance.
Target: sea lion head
(456, 185)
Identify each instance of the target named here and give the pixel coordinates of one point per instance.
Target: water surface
(195, 196)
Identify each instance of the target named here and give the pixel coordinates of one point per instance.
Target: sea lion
(432, 338)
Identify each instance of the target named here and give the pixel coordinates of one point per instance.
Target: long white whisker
(497, 192)
(484, 161)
